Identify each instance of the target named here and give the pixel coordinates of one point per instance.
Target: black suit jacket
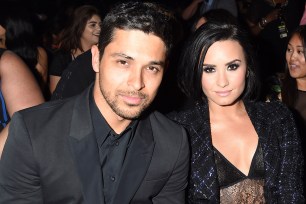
(51, 156)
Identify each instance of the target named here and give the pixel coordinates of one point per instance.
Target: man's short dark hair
(144, 16)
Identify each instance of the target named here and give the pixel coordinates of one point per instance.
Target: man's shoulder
(166, 131)
(160, 119)
(46, 109)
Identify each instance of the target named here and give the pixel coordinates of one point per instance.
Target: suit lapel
(136, 163)
(85, 150)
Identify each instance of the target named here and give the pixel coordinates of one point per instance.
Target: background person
(293, 90)
(81, 32)
(21, 38)
(18, 90)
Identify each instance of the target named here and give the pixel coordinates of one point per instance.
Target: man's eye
(233, 67)
(208, 69)
(153, 69)
(122, 62)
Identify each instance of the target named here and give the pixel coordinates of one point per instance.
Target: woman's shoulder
(273, 109)
(8, 58)
(60, 53)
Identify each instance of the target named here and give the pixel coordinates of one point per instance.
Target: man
(100, 146)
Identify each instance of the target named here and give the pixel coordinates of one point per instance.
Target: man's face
(129, 73)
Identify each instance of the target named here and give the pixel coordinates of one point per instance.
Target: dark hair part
(70, 38)
(289, 84)
(144, 16)
(190, 67)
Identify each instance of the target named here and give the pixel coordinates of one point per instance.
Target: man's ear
(95, 58)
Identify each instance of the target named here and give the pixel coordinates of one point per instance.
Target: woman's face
(295, 58)
(92, 30)
(224, 73)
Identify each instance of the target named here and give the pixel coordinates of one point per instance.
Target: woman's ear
(95, 58)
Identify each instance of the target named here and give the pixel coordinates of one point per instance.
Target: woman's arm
(18, 86)
(42, 65)
(53, 82)
(290, 173)
(257, 27)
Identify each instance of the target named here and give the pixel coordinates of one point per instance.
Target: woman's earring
(248, 73)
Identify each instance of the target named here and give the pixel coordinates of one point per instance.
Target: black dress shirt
(112, 150)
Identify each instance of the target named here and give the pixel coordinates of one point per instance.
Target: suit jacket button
(113, 178)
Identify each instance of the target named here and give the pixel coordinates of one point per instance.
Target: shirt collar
(101, 127)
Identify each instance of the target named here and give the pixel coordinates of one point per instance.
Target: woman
(20, 37)
(270, 21)
(243, 151)
(294, 83)
(18, 90)
(82, 31)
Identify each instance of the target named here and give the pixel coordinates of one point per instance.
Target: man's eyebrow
(122, 55)
(160, 63)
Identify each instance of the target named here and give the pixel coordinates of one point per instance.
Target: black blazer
(280, 143)
(51, 156)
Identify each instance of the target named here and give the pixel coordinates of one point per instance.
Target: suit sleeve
(290, 187)
(174, 190)
(19, 177)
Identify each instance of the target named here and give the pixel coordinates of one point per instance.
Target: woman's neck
(236, 110)
(301, 84)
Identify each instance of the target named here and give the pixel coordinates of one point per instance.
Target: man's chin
(131, 112)
(129, 116)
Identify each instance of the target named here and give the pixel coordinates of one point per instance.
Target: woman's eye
(289, 50)
(301, 52)
(233, 67)
(208, 69)
(93, 25)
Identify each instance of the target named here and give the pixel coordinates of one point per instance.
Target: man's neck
(117, 123)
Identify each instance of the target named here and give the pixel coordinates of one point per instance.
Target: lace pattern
(248, 191)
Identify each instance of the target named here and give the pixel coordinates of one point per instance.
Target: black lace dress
(235, 186)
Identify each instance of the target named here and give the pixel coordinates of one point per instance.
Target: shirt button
(113, 178)
(117, 143)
